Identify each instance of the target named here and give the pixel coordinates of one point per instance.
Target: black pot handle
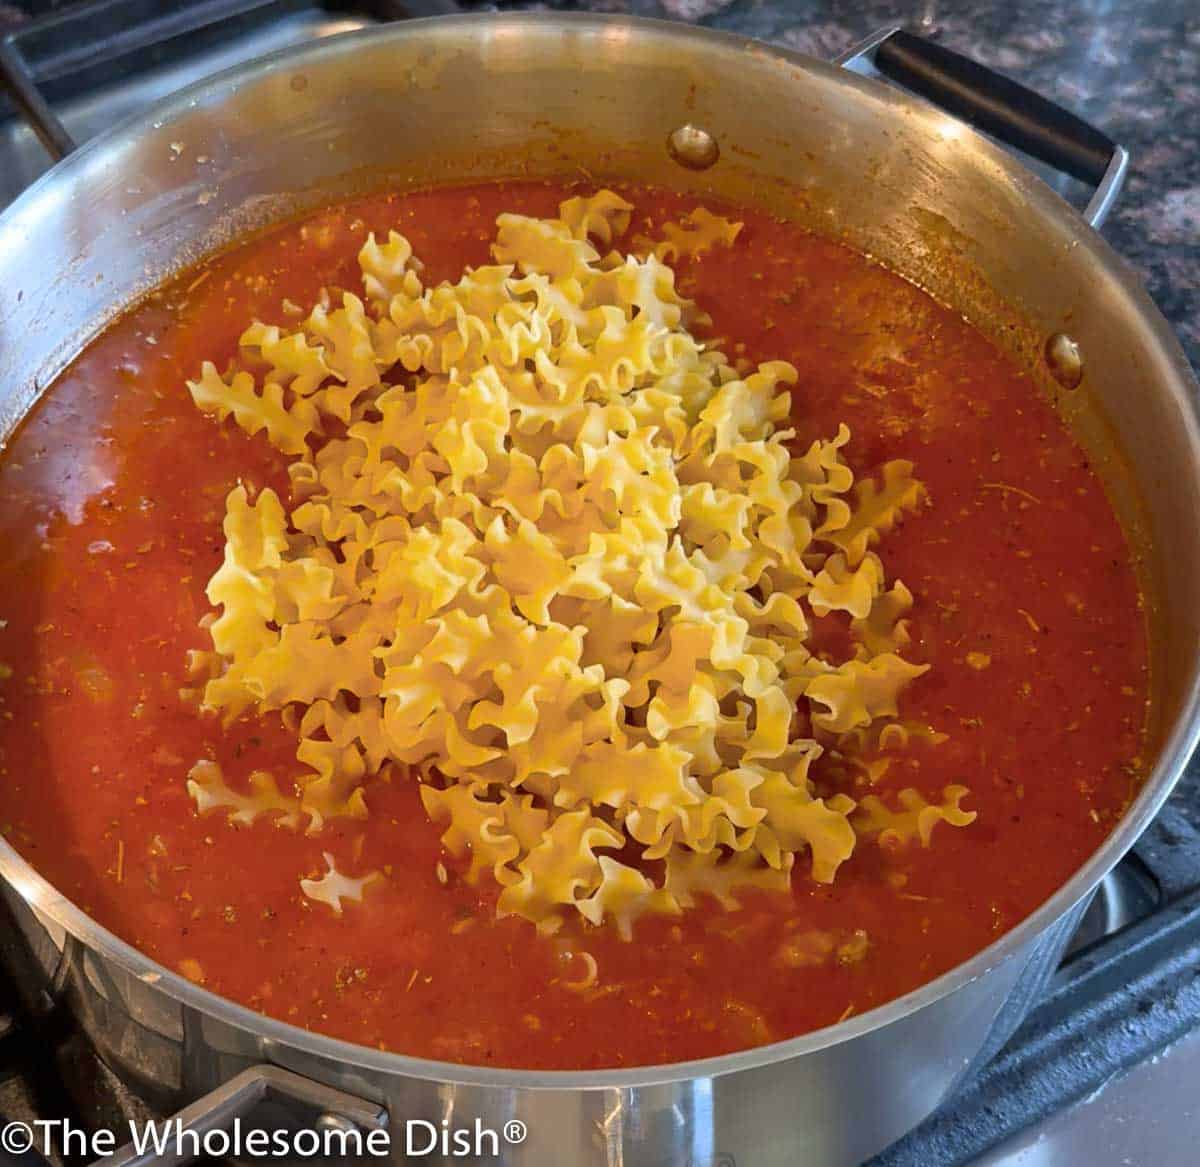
(997, 105)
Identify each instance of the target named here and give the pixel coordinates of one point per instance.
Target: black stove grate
(77, 48)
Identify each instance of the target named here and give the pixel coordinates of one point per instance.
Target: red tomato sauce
(111, 500)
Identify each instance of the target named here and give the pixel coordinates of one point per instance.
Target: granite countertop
(1131, 69)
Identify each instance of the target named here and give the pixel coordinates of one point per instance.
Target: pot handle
(997, 105)
(218, 1110)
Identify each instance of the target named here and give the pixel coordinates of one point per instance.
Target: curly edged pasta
(555, 554)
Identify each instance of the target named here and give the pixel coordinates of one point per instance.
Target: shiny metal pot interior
(471, 98)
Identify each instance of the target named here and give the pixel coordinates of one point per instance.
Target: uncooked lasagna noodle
(559, 557)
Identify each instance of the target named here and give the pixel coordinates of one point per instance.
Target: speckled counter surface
(1131, 67)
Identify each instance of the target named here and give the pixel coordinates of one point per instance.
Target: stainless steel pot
(479, 97)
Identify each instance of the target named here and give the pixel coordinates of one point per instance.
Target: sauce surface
(111, 500)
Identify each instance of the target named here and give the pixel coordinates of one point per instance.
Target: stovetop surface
(1094, 1076)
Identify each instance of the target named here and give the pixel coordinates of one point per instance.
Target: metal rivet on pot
(1064, 360)
(693, 147)
(328, 1121)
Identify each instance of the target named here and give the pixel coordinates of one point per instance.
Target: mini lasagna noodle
(560, 557)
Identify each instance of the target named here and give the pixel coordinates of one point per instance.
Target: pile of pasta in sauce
(555, 554)
(1025, 609)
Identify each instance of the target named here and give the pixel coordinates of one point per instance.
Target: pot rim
(38, 893)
